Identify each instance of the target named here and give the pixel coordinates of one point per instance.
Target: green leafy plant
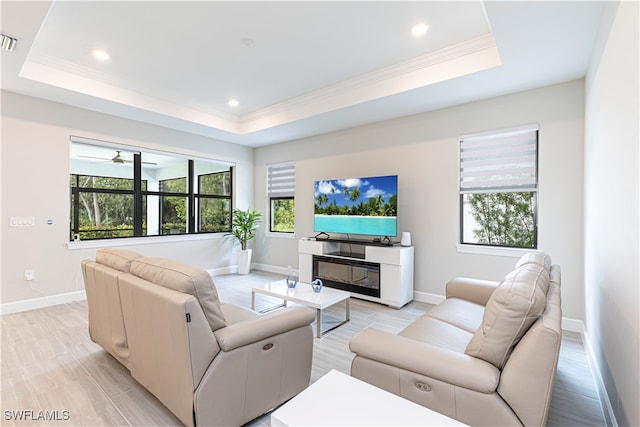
(283, 215)
(244, 224)
(503, 219)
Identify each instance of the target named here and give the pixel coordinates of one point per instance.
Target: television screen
(357, 206)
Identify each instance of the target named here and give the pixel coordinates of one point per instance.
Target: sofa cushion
(120, 259)
(512, 308)
(460, 313)
(433, 331)
(539, 258)
(183, 278)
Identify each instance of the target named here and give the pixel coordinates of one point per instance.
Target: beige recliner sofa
(207, 362)
(487, 355)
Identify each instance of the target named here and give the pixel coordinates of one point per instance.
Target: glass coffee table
(303, 294)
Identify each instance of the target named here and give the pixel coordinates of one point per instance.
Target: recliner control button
(423, 386)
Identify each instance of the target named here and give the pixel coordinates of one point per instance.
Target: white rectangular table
(338, 399)
(303, 294)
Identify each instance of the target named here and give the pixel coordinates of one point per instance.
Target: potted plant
(243, 226)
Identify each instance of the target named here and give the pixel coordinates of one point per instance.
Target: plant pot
(244, 261)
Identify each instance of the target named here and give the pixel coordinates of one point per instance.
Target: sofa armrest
(473, 290)
(261, 327)
(425, 359)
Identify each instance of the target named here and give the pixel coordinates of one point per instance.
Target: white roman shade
(499, 161)
(281, 180)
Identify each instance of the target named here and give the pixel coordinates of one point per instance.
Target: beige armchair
(207, 362)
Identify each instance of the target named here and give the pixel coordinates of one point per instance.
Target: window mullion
(191, 203)
(76, 209)
(137, 195)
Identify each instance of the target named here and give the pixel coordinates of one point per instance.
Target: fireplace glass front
(350, 275)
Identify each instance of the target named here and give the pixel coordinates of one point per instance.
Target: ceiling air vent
(8, 42)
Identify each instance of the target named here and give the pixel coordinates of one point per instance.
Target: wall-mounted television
(366, 206)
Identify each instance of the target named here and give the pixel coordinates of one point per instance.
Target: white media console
(370, 271)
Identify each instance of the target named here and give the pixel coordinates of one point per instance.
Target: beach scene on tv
(357, 206)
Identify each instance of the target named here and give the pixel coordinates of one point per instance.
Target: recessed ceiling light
(101, 55)
(233, 102)
(419, 30)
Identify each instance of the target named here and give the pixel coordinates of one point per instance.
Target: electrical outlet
(29, 275)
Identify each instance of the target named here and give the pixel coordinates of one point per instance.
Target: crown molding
(440, 65)
(79, 79)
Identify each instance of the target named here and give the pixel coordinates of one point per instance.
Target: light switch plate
(22, 221)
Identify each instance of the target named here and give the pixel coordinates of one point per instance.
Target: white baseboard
(262, 267)
(222, 271)
(427, 297)
(572, 325)
(609, 415)
(272, 269)
(35, 303)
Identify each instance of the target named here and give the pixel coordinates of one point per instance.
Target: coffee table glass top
(303, 294)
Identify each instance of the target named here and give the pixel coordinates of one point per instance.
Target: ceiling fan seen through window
(117, 159)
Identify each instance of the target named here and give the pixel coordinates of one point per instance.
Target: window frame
(280, 183)
(75, 198)
(531, 187)
(162, 194)
(141, 193)
(272, 215)
(198, 196)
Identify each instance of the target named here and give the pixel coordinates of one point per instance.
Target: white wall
(422, 150)
(35, 182)
(612, 276)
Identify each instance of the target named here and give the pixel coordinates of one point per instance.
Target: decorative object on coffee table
(292, 280)
(316, 285)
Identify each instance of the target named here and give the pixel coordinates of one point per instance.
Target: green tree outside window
(503, 219)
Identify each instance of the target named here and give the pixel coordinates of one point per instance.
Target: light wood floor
(49, 364)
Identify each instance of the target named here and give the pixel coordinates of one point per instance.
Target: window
(499, 187)
(173, 205)
(214, 201)
(281, 184)
(101, 206)
(119, 192)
